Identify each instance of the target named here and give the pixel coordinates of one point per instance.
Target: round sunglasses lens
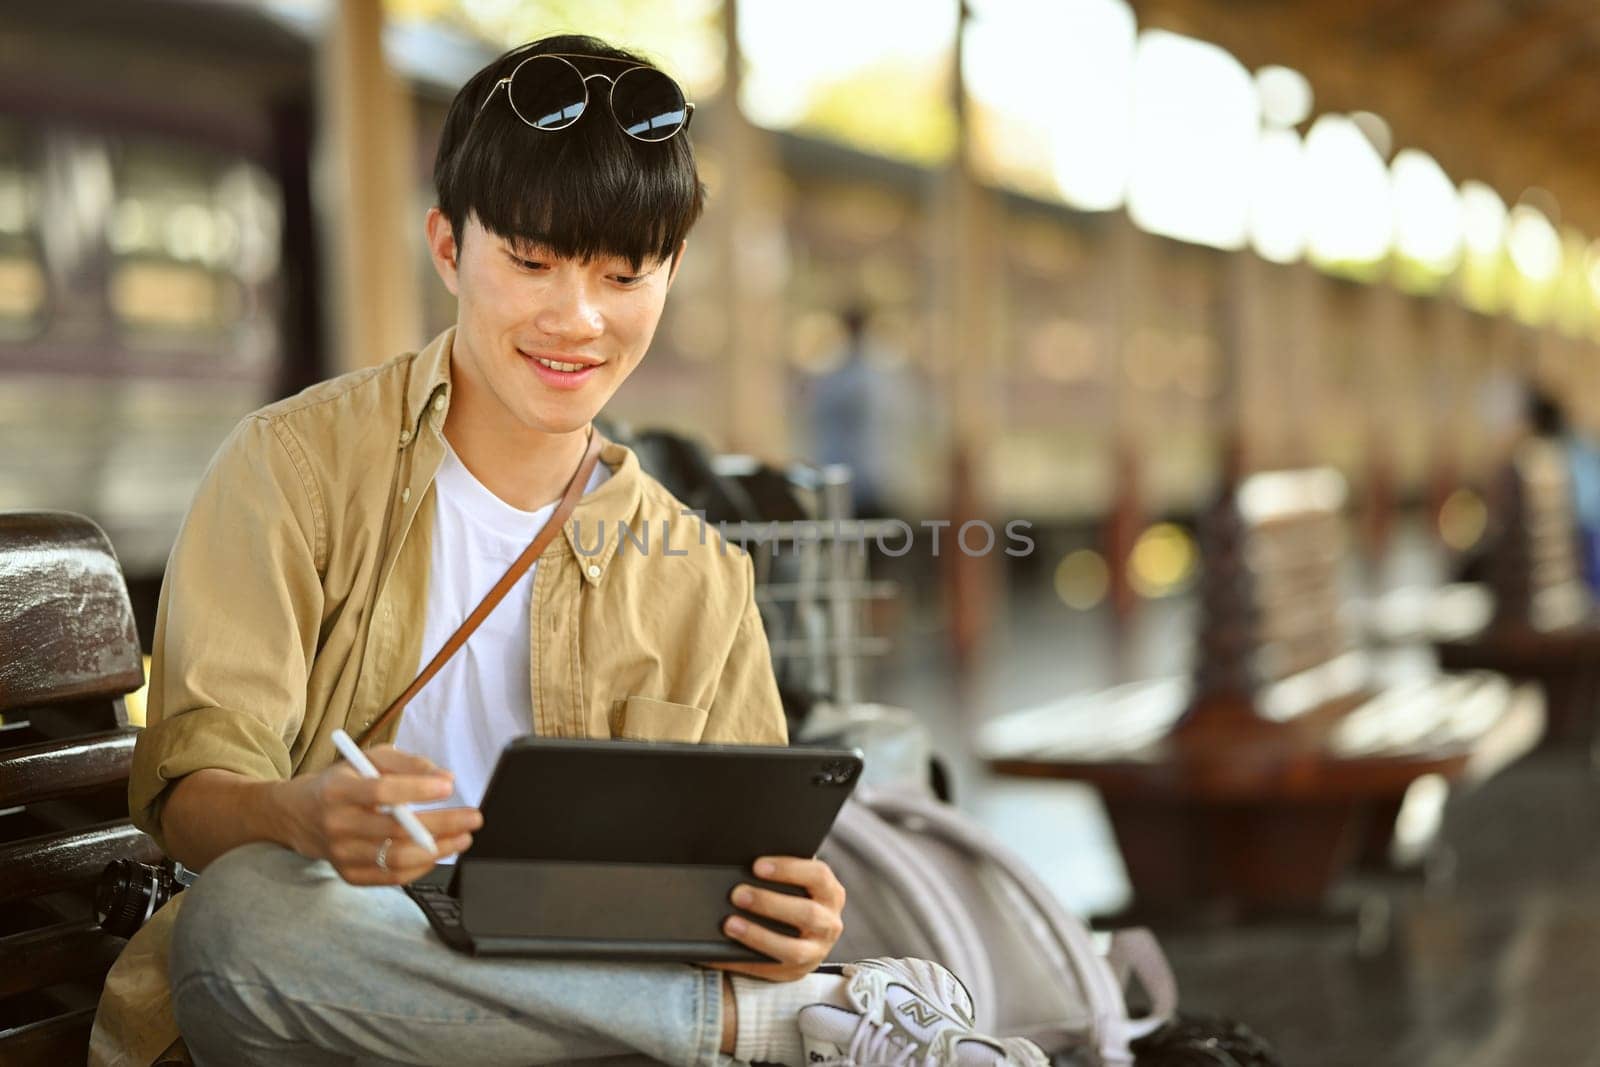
(548, 93)
(648, 104)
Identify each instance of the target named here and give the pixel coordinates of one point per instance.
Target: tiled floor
(1499, 969)
(1495, 965)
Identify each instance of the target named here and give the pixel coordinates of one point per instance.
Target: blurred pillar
(965, 219)
(1509, 373)
(1121, 286)
(304, 359)
(747, 224)
(1226, 319)
(365, 174)
(1446, 400)
(1384, 405)
(1303, 357)
(1550, 361)
(1257, 416)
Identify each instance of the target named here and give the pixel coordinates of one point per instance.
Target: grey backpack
(924, 880)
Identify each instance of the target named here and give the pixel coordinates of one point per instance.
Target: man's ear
(442, 248)
(677, 261)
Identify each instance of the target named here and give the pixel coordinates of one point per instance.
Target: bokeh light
(1082, 579)
(1534, 244)
(883, 87)
(1349, 193)
(1278, 208)
(1463, 518)
(1286, 96)
(1163, 560)
(1195, 124)
(1427, 212)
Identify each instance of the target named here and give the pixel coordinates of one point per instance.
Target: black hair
(582, 191)
(1544, 415)
(854, 316)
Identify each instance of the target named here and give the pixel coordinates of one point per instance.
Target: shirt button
(438, 402)
(405, 494)
(405, 437)
(594, 570)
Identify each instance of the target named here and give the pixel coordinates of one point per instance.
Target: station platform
(1485, 957)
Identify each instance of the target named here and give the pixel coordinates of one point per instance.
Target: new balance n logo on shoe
(920, 1013)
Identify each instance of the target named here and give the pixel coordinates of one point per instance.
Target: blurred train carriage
(156, 272)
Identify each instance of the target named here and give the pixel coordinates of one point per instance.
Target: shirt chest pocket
(644, 719)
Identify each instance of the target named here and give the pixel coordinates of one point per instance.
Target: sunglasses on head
(549, 93)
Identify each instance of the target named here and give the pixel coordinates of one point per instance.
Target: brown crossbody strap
(569, 502)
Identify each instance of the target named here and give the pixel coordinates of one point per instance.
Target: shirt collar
(429, 386)
(617, 501)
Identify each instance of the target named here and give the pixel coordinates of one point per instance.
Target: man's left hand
(818, 916)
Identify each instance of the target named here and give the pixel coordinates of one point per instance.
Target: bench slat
(50, 1042)
(69, 653)
(62, 953)
(65, 611)
(53, 862)
(32, 773)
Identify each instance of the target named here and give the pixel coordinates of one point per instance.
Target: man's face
(527, 318)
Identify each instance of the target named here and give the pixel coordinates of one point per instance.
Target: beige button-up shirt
(294, 599)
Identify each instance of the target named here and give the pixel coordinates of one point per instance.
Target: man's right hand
(334, 816)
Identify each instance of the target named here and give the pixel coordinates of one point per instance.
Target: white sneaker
(907, 1012)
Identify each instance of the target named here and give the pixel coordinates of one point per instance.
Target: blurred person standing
(857, 411)
(1548, 421)
(862, 413)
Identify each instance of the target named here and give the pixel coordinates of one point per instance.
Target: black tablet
(629, 850)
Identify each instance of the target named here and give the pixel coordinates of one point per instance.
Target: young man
(342, 535)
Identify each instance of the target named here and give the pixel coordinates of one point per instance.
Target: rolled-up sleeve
(746, 708)
(237, 624)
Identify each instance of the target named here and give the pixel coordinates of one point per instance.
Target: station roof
(1504, 91)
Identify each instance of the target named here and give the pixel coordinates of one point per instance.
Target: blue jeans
(277, 960)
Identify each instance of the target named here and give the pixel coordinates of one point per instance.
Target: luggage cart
(812, 580)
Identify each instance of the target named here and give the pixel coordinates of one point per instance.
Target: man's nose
(570, 309)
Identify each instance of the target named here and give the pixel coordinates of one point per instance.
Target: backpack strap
(1095, 974)
(1135, 954)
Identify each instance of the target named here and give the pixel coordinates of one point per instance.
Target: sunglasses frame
(566, 58)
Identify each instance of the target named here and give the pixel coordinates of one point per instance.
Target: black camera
(129, 893)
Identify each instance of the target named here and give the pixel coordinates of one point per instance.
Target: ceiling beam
(1513, 35)
(1528, 54)
(1414, 23)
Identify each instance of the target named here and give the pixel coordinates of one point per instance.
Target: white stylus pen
(401, 812)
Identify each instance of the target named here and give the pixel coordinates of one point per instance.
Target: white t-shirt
(483, 696)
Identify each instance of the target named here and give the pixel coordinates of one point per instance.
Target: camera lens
(128, 893)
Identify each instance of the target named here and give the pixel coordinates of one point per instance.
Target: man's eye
(631, 279)
(527, 264)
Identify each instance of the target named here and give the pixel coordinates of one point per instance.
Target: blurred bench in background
(1543, 626)
(68, 656)
(1254, 784)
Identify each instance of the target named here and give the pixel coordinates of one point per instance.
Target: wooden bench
(68, 656)
(1253, 784)
(1543, 626)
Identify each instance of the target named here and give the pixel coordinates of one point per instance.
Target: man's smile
(562, 370)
